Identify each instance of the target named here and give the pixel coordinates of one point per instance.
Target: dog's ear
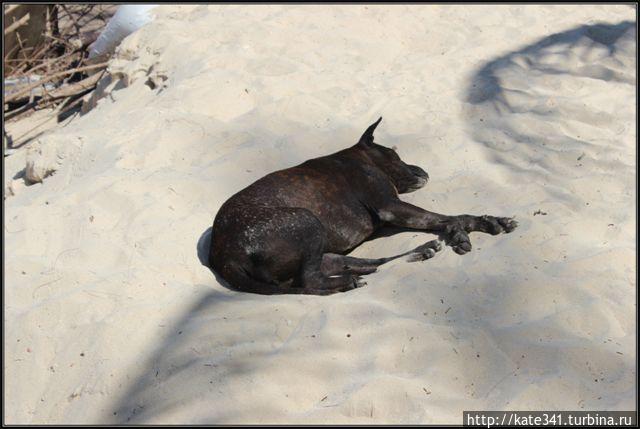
(367, 137)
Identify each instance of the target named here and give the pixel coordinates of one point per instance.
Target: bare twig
(11, 8)
(67, 92)
(52, 61)
(60, 40)
(52, 20)
(8, 54)
(58, 60)
(73, 18)
(19, 39)
(77, 87)
(17, 24)
(17, 95)
(24, 63)
(19, 111)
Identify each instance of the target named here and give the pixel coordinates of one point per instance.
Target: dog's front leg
(455, 229)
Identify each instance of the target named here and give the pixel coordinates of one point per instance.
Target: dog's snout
(418, 171)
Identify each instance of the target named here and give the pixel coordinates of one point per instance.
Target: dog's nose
(419, 172)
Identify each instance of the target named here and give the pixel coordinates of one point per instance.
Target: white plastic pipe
(126, 20)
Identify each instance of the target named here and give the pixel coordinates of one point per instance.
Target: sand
(526, 111)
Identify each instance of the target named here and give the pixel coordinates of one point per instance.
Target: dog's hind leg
(314, 281)
(280, 254)
(325, 286)
(335, 264)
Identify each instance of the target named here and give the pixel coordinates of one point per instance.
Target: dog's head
(405, 177)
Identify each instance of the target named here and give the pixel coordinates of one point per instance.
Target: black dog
(288, 232)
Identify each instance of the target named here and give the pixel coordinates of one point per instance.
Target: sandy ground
(110, 317)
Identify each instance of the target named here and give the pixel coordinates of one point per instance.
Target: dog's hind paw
(458, 239)
(358, 282)
(346, 283)
(424, 252)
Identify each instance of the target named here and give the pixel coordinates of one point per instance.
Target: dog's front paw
(495, 225)
(508, 223)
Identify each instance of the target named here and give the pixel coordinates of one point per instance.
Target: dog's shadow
(203, 246)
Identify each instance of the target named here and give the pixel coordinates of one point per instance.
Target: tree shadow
(226, 353)
(487, 85)
(188, 364)
(539, 109)
(229, 345)
(556, 115)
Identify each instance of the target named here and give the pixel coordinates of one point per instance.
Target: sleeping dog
(289, 231)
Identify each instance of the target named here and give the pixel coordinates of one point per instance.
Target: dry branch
(69, 93)
(17, 24)
(27, 89)
(75, 88)
(58, 60)
(11, 8)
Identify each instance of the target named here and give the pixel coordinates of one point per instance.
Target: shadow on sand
(195, 362)
(519, 104)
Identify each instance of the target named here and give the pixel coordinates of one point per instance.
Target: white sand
(110, 316)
